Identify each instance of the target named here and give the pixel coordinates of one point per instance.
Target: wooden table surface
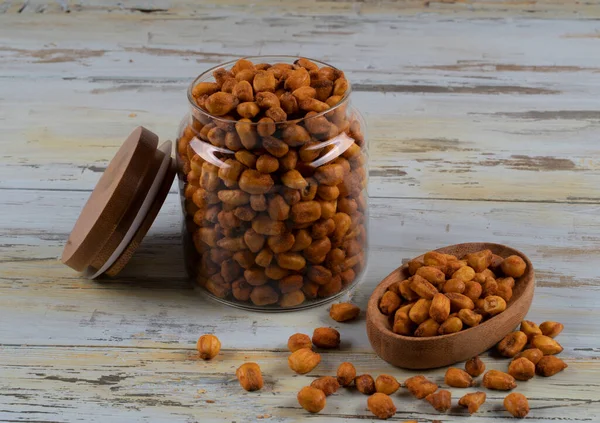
(484, 123)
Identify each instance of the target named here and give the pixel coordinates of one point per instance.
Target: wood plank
(152, 305)
(129, 384)
(478, 8)
(562, 240)
(422, 146)
(505, 117)
(167, 47)
(471, 120)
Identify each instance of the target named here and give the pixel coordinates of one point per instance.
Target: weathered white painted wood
(157, 385)
(152, 305)
(464, 146)
(561, 239)
(533, 57)
(454, 120)
(506, 111)
(477, 8)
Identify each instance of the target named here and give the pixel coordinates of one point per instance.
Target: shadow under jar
(272, 164)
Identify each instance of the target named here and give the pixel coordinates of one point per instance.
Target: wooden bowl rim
(528, 277)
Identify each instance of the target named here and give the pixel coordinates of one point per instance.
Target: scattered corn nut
(386, 384)
(343, 312)
(311, 399)
(381, 405)
(516, 404)
(346, 374)
(419, 386)
(547, 345)
(521, 369)
(530, 329)
(512, 344)
(328, 384)
(440, 400)
(549, 365)
(326, 338)
(472, 401)
(298, 341)
(551, 329)
(250, 376)
(499, 381)
(474, 366)
(365, 384)
(458, 378)
(303, 360)
(532, 354)
(208, 347)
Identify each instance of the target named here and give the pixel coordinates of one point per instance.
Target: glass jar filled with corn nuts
(272, 166)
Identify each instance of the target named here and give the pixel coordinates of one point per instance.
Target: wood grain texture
(469, 119)
(480, 8)
(157, 385)
(483, 121)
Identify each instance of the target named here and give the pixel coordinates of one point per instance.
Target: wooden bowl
(437, 351)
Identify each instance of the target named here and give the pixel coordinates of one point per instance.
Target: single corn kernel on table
(484, 125)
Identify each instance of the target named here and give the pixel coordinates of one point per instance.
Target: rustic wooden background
(484, 123)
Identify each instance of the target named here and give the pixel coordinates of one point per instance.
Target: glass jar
(273, 184)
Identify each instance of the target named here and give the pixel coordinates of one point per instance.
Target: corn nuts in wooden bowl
(449, 305)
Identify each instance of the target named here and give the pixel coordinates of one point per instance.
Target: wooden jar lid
(122, 206)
